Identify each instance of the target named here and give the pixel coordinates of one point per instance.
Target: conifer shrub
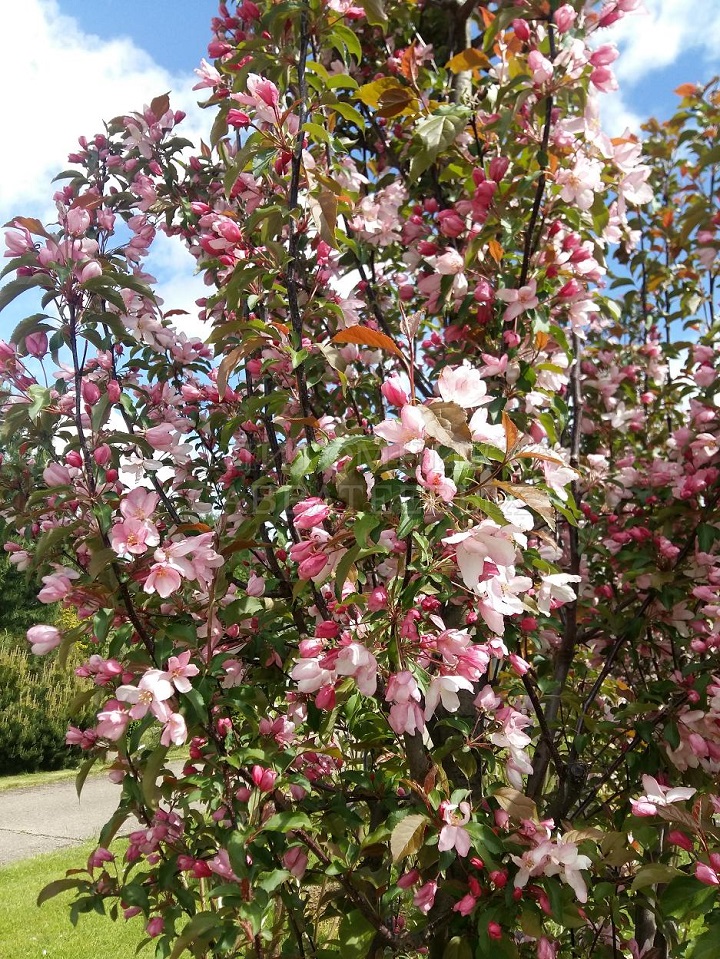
(35, 708)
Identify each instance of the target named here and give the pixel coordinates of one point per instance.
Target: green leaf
(407, 836)
(350, 114)
(199, 927)
(151, 772)
(16, 287)
(343, 568)
(83, 774)
(458, 948)
(363, 525)
(40, 399)
(707, 946)
(287, 821)
(111, 827)
(56, 887)
(436, 133)
(375, 12)
(686, 898)
(340, 447)
(343, 37)
(31, 324)
(356, 935)
(269, 881)
(653, 873)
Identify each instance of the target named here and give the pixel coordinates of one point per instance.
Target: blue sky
(174, 32)
(67, 64)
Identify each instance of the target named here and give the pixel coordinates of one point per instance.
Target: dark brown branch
(531, 241)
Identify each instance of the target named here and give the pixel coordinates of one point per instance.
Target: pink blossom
(311, 512)
(209, 76)
(465, 905)
(155, 927)
(444, 689)
(550, 858)
(406, 435)
(255, 586)
(132, 537)
(263, 96)
(139, 504)
(163, 579)
(463, 385)
(431, 475)
(18, 241)
(453, 835)
(518, 300)
(113, 720)
(540, 67)
(180, 670)
(393, 391)
(554, 589)
(220, 865)
(149, 694)
(43, 639)
(657, 795)
(357, 661)
(424, 898)
(486, 541)
(564, 17)
(408, 879)
(706, 874)
(406, 715)
(484, 432)
(580, 184)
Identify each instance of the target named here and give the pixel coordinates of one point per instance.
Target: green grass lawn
(37, 779)
(29, 932)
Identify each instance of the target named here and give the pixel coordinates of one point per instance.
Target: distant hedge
(34, 716)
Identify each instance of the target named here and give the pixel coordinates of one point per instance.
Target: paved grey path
(37, 819)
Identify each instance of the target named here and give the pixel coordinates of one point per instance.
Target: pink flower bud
(263, 778)
(90, 392)
(494, 930)
(377, 600)
(113, 391)
(408, 879)
(522, 31)
(155, 927)
(678, 838)
(73, 458)
(295, 861)
(102, 454)
(325, 698)
(238, 118)
(564, 17)
(706, 875)
(255, 586)
(78, 220)
(424, 898)
(36, 344)
(393, 392)
(312, 566)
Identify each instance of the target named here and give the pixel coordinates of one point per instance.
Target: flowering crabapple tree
(418, 548)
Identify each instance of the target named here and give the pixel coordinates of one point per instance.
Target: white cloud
(60, 83)
(178, 286)
(653, 40)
